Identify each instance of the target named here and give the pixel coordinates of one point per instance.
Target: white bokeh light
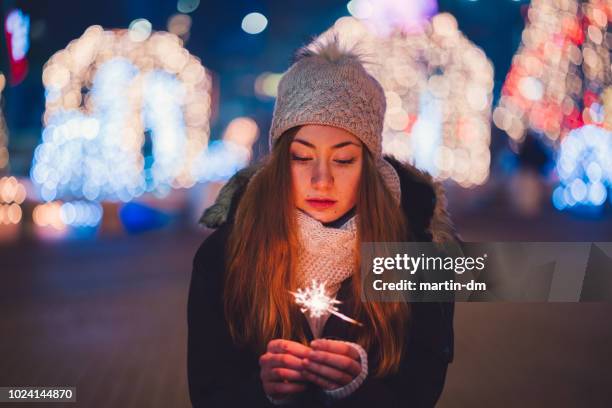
(124, 118)
(140, 30)
(438, 87)
(254, 23)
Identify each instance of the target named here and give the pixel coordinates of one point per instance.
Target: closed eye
(298, 158)
(304, 159)
(349, 161)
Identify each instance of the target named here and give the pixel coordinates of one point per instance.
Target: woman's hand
(331, 364)
(282, 368)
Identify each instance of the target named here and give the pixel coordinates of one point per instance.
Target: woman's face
(326, 169)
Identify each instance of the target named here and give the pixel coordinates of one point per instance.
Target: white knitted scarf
(326, 254)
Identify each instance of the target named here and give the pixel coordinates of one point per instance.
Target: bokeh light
(584, 166)
(180, 24)
(12, 195)
(254, 23)
(386, 16)
(140, 30)
(4, 154)
(17, 24)
(438, 87)
(49, 215)
(560, 73)
(187, 6)
(122, 117)
(266, 84)
(225, 157)
(81, 213)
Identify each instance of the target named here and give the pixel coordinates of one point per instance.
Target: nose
(321, 176)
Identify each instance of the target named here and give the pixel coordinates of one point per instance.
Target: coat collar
(423, 202)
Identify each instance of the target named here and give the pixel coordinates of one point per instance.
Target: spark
(315, 301)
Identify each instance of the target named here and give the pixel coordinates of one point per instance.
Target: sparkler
(315, 301)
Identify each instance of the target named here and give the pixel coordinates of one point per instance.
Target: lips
(321, 203)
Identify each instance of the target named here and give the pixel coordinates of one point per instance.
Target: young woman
(300, 215)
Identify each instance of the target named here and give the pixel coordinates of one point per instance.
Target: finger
(280, 388)
(327, 372)
(271, 360)
(339, 361)
(281, 346)
(281, 374)
(320, 381)
(334, 346)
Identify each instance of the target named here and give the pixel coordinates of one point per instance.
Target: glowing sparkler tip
(315, 301)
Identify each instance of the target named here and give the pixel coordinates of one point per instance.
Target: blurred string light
(224, 158)
(106, 93)
(49, 215)
(81, 213)
(12, 192)
(17, 29)
(4, 155)
(254, 23)
(438, 87)
(360, 9)
(140, 30)
(60, 215)
(187, 6)
(584, 168)
(12, 195)
(386, 16)
(18, 25)
(558, 86)
(180, 25)
(266, 84)
(558, 76)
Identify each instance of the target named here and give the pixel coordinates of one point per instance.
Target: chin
(324, 216)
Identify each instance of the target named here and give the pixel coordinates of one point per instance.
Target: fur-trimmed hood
(423, 201)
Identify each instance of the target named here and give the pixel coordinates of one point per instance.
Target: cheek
(350, 185)
(299, 179)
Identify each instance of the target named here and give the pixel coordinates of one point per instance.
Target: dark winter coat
(223, 375)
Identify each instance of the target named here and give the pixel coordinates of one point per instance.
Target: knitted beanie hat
(328, 85)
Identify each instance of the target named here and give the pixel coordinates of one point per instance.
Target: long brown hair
(261, 260)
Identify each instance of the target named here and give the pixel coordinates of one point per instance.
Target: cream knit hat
(328, 85)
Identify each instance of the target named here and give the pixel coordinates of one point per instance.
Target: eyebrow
(336, 146)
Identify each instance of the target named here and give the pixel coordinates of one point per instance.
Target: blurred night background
(121, 120)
